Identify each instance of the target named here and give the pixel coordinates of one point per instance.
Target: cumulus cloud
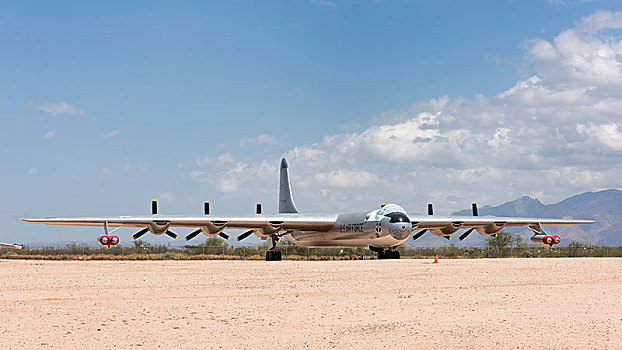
(608, 134)
(225, 158)
(58, 108)
(555, 133)
(263, 139)
(346, 178)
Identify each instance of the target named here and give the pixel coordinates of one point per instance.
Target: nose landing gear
(388, 254)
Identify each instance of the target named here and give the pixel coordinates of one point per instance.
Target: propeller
(244, 235)
(468, 232)
(206, 207)
(465, 235)
(258, 208)
(139, 234)
(430, 209)
(224, 235)
(192, 234)
(171, 234)
(419, 234)
(154, 206)
(447, 238)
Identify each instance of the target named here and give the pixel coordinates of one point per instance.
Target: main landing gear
(388, 254)
(272, 254)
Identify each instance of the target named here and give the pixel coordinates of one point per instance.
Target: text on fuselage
(351, 228)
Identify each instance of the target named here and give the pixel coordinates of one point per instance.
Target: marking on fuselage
(351, 228)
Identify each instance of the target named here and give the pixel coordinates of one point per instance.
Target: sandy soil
(494, 303)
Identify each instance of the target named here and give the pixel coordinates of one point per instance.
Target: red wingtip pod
(104, 240)
(546, 240)
(108, 240)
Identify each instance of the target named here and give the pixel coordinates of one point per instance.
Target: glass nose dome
(391, 208)
(397, 217)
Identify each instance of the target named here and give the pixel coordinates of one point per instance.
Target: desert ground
(573, 303)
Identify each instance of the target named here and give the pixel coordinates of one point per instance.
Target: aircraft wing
(12, 246)
(212, 224)
(430, 222)
(446, 225)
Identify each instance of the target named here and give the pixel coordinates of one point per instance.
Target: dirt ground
(571, 303)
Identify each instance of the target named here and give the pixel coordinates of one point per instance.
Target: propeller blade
(474, 207)
(206, 207)
(464, 235)
(171, 234)
(244, 235)
(224, 235)
(154, 206)
(419, 234)
(258, 208)
(447, 238)
(430, 209)
(193, 234)
(138, 234)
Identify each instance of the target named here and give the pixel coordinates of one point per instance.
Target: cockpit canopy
(394, 212)
(391, 208)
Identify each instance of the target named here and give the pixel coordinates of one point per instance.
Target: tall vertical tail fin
(286, 201)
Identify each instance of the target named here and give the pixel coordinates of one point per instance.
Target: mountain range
(604, 207)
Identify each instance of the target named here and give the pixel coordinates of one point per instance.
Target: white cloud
(322, 2)
(167, 196)
(32, 171)
(346, 178)
(225, 158)
(608, 134)
(263, 139)
(557, 132)
(555, 3)
(203, 161)
(50, 135)
(106, 173)
(58, 108)
(111, 134)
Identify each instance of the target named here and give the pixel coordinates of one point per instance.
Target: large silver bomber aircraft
(381, 230)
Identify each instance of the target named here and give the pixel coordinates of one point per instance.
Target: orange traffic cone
(436, 259)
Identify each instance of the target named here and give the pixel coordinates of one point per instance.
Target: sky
(107, 105)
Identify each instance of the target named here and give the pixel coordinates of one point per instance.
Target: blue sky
(104, 106)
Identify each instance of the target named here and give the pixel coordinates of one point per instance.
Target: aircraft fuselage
(359, 229)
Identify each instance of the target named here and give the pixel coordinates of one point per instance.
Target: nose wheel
(388, 254)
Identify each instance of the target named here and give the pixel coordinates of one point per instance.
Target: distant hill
(605, 207)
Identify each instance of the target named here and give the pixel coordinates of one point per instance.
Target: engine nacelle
(546, 240)
(108, 240)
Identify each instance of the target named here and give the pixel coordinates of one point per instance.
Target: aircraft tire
(395, 255)
(269, 256)
(278, 256)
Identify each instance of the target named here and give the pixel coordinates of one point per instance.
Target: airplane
(12, 246)
(381, 230)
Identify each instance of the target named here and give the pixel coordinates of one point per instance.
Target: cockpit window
(398, 217)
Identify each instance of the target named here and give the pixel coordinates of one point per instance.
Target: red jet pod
(108, 240)
(546, 240)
